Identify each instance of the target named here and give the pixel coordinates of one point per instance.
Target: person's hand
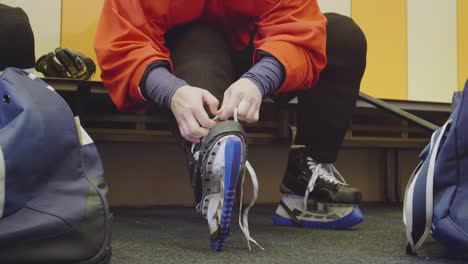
(187, 106)
(246, 97)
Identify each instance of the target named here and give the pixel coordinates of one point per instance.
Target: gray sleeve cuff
(268, 74)
(160, 85)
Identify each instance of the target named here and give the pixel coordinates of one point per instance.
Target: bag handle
(419, 196)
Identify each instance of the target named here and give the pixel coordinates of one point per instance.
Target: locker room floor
(177, 235)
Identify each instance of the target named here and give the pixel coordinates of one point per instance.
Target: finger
(231, 104)
(192, 139)
(226, 97)
(184, 132)
(203, 118)
(193, 128)
(211, 101)
(253, 114)
(187, 137)
(243, 109)
(183, 123)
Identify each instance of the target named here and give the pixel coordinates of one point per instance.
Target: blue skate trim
(232, 163)
(351, 219)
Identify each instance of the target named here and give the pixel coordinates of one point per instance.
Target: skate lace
(196, 154)
(243, 216)
(325, 171)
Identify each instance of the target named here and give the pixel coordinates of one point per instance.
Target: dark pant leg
(201, 57)
(325, 111)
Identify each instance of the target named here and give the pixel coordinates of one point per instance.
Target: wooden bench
(390, 125)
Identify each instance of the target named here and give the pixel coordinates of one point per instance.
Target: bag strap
(419, 196)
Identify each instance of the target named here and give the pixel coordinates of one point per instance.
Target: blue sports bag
(436, 198)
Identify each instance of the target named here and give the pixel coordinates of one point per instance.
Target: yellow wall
(384, 23)
(462, 42)
(79, 21)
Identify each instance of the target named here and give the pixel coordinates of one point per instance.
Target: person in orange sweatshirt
(188, 56)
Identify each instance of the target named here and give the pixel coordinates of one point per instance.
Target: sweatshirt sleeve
(159, 85)
(125, 46)
(267, 74)
(294, 32)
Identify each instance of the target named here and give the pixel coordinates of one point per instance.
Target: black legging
(202, 57)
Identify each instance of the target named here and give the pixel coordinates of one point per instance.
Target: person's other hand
(246, 97)
(187, 106)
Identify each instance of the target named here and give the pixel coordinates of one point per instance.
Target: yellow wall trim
(384, 24)
(79, 21)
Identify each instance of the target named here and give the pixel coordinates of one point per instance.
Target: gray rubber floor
(178, 235)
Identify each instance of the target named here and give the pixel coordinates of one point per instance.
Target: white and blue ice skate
(220, 163)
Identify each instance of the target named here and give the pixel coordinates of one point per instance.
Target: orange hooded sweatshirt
(130, 36)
